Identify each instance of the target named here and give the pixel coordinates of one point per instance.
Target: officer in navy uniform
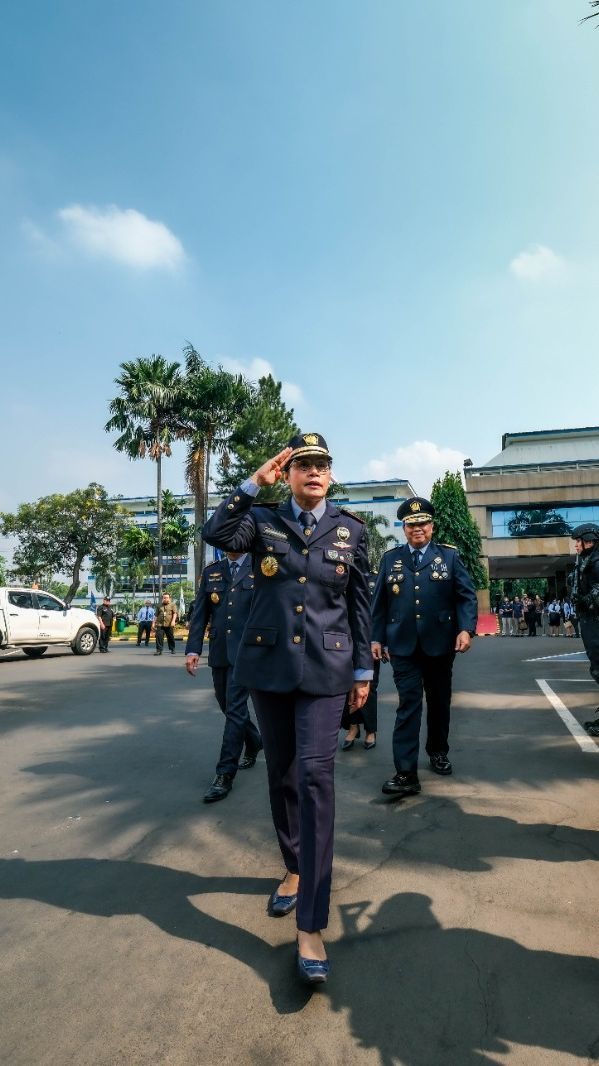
(223, 602)
(585, 597)
(368, 715)
(424, 610)
(305, 646)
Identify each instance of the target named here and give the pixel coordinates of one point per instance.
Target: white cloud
(291, 394)
(420, 463)
(125, 236)
(538, 263)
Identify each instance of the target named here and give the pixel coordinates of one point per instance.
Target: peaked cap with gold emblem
(415, 510)
(308, 444)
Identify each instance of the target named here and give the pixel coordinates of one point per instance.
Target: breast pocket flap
(263, 637)
(335, 641)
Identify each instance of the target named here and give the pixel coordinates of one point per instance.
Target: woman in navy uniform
(223, 602)
(424, 610)
(305, 646)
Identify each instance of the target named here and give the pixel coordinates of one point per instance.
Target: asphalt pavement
(133, 917)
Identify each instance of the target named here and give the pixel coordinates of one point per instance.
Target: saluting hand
(272, 470)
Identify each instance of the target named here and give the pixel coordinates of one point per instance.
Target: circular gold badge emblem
(395, 589)
(214, 596)
(269, 566)
(340, 569)
(343, 533)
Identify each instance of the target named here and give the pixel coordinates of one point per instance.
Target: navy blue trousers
(239, 728)
(299, 733)
(414, 674)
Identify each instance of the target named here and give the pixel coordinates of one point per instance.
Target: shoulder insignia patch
(351, 514)
(449, 546)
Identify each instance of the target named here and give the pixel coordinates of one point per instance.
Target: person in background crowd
(105, 615)
(145, 618)
(573, 617)
(166, 617)
(530, 615)
(555, 617)
(424, 610)
(567, 609)
(223, 603)
(585, 597)
(518, 617)
(368, 714)
(506, 614)
(542, 613)
(306, 644)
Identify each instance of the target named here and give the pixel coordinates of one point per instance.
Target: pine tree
(261, 432)
(455, 525)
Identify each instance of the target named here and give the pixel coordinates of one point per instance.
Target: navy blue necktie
(307, 521)
(234, 569)
(416, 558)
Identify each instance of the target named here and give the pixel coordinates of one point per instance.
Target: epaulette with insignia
(351, 514)
(271, 506)
(454, 546)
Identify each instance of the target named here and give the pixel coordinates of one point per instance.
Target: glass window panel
(557, 520)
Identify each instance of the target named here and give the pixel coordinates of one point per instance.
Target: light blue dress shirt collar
(421, 550)
(317, 511)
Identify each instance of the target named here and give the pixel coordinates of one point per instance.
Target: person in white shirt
(145, 617)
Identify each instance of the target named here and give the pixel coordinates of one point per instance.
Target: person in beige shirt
(166, 616)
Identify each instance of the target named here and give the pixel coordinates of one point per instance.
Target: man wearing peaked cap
(585, 597)
(424, 610)
(306, 645)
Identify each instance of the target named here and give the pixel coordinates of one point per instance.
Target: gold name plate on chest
(269, 566)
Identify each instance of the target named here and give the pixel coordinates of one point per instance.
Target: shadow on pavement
(416, 992)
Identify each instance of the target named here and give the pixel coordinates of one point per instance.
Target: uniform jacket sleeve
(358, 607)
(232, 527)
(465, 597)
(379, 607)
(200, 619)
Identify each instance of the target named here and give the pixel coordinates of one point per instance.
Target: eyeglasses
(320, 465)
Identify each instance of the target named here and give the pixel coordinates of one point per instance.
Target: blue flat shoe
(312, 971)
(279, 906)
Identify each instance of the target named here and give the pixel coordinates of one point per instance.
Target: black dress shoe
(219, 789)
(348, 744)
(279, 906)
(369, 744)
(249, 759)
(593, 729)
(404, 783)
(440, 763)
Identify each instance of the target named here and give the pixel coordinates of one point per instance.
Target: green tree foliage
(378, 543)
(147, 415)
(136, 557)
(455, 525)
(262, 430)
(516, 586)
(213, 402)
(57, 533)
(3, 570)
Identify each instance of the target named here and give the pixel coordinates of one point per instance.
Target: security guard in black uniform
(424, 610)
(223, 603)
(305, 646)
(585, 597)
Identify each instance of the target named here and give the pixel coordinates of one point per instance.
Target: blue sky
(392, 205)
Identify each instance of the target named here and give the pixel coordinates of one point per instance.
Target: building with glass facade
(527, 499)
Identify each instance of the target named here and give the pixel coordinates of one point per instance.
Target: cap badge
(414, 506)
(343, 533)
(269, 566)
(214, 596)
(311, 439)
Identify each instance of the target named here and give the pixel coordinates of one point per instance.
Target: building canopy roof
(547, 447)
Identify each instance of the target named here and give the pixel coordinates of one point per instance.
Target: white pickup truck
(33, 620)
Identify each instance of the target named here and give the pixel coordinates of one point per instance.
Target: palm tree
(378, 543)
(146, 416)
(138, 546)
(213, 401)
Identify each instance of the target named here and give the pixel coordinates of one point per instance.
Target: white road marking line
(568, 656)
(586, 743)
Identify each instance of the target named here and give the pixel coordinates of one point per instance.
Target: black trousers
(368, 714)
(589, 631)
(239, 728)
(414, 675)
(143, 630)
(299, 733)
(104, 638)
(161, 633)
